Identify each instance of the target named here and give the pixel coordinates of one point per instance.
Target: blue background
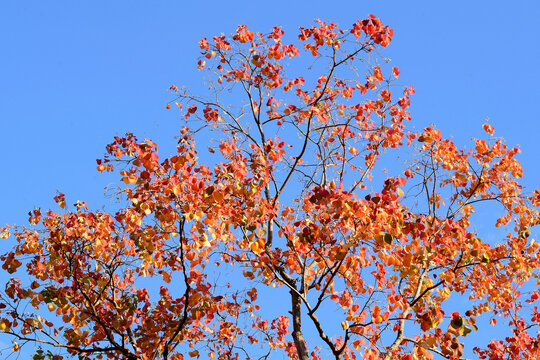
(73, 74)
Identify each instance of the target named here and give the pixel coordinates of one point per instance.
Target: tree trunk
(297, 335)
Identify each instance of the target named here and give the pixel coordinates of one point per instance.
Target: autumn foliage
(290, 201)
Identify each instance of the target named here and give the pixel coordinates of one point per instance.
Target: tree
(291, 200)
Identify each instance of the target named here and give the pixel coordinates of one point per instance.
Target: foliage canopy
(292, 200)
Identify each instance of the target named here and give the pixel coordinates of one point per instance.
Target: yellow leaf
(129, 179)
(198, 215)
(4, 326)
(258, 246)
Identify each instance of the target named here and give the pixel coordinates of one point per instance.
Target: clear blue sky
(73, 74)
